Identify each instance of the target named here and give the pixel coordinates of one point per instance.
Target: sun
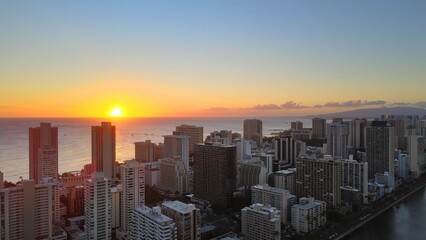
(116, 112)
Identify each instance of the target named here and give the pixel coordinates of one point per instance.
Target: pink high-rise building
(43, 152)
(103, 149)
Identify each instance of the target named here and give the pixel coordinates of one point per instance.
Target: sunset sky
(209, 58)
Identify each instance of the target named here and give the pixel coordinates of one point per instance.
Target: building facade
(319, 178)
(215, 173)
(318, 128)
(253, 130)
(103, 149)
(132, 192)
(260, 222)
(380, 146)
(308, 215)
(275, 197)
(186, 217)
(29, 211)
(194, 133)
(149, 223)
(97, 207)
(43, 152)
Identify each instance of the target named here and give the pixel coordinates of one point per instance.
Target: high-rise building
(355, 175)
(222, 137)
(152, 174)
(275, 197)
(1, 180)
(252, 172)
(253, 130)
(417, 152)
(195, 134)
(285, 179)
(267, 159)
(297, 125)
(421, 127)
(400, 125)
(148, 151)
(318, 128)
(144, 151)
(356, 133)
(186, 217)
(173, 175)
(215, 173)
(133, 192)
(29, 211)
(308, 215)
(243, 149)
(103, 149)
(286, 151)
(149, 223)
(115, 207)
(380, 146)
(43, 152)
(260, 222)
(75, 204)
(97, 207)
(337, 139)
(177, 146)
(319, 178)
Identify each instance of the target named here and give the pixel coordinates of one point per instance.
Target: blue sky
(208, 54)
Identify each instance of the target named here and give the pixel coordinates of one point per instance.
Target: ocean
(75, 137)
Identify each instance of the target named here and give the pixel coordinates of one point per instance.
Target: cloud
(354, 103)
(377, 102)
(293, 105)
(217, 109)
(266, 107)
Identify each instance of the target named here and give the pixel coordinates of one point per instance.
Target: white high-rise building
(337, 139)
(252, 172)
(355, 175)
(416, 150)
(173, 175)
(133, 192)
(187, 219)
(243, 149)
(271, 196)
(421, 127)
(97, 207)
(149, 223)
(259, 222)
(308, 215)
(286, 179)
(177, 145)
(29, 211)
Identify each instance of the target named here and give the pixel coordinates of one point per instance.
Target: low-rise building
(260, 222)
(308, 215)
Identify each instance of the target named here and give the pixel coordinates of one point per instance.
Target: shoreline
(354, 228)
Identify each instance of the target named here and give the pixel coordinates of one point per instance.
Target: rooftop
(266, 187)
(179, 206)
(154, 214)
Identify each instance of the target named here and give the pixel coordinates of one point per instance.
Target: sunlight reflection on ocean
(75, 137)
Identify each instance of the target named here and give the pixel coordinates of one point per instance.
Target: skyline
(215, 58)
